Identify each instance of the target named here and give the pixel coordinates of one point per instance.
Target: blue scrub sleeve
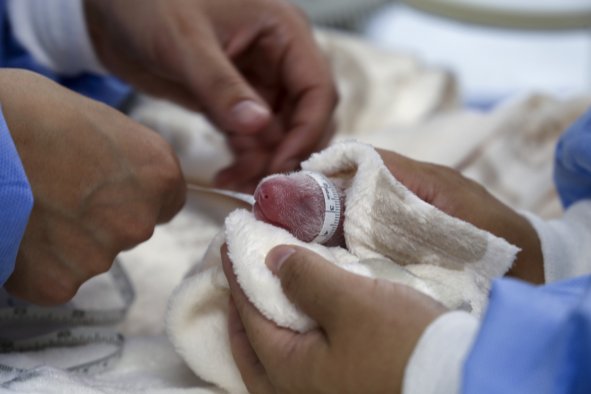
(533, 340)
(572, 167)
(538, 339)
(107, 89)
(16, 202)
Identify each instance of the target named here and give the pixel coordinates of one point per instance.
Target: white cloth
(435, 366)
(386, 228)
(55, 34)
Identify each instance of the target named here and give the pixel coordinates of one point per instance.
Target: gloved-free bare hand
(100, 182)
(252, 66)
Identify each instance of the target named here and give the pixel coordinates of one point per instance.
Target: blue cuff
(533, 340)
(572, 167)
(16, 201)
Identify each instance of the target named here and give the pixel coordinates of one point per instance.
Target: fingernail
(277, 257)
(249, 113)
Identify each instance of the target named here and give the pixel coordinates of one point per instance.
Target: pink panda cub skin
(295, 202)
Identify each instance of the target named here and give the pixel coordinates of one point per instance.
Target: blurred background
(496, 48)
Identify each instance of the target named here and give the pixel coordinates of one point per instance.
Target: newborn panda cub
(303, 203)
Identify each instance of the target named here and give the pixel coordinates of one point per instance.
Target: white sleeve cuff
(54, 32)
(436, 364)
(566, 242)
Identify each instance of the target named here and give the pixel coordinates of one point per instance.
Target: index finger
(312, 95)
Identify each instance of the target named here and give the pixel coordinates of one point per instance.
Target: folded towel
(390, 234)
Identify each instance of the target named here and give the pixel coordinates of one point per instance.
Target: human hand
(367, 330)
(100, 182)
(465, 199)
(252, 66)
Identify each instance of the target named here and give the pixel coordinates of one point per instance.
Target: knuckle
(138, 231)
(299, 12)
(171, 186)
(132, 230)
(59, 293)
(166, 169)
(168, 161)
(98, 267)
(293, 272)
(289, 277)
(173, 175)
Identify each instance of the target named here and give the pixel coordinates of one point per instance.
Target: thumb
(230, 102)
(319, 288)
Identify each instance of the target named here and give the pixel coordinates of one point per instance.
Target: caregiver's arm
(252, 66)
(100, 182)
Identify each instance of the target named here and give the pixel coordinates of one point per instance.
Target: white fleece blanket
(390, 234)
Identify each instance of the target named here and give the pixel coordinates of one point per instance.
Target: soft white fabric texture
(386, 228)
(566, 242)
(55, 33)
(436, 364)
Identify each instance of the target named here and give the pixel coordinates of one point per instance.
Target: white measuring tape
(332, 207)
(67, 327)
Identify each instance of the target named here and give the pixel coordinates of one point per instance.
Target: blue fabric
(572, 169)
(12, 55)
(538, 339)
(16, 202)
(533, 340)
